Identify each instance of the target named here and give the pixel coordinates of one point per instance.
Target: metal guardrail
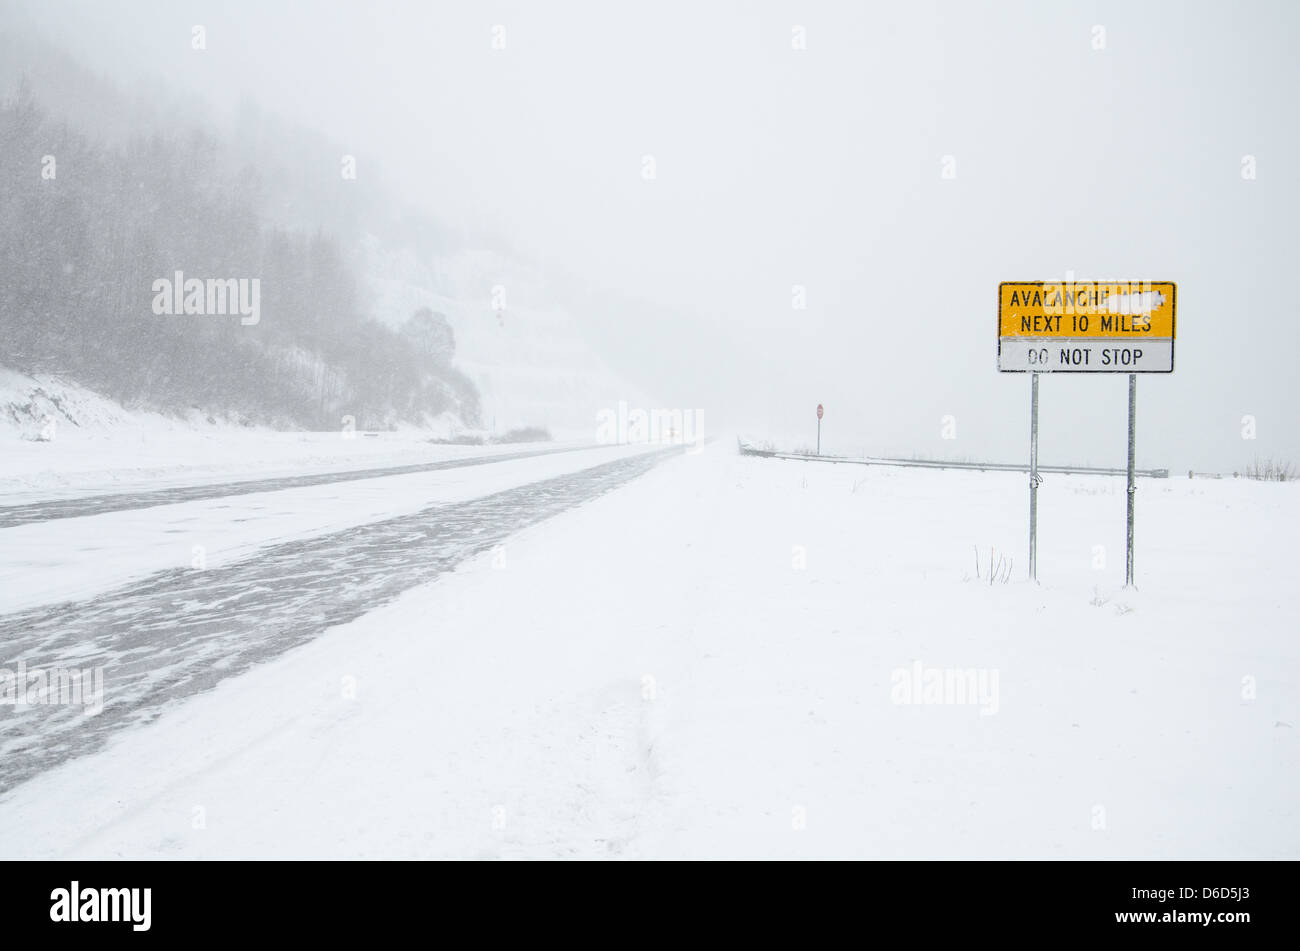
(936, 464)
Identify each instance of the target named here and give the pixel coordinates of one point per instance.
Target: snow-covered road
(73, 559)
(51, 509)
(179, 631)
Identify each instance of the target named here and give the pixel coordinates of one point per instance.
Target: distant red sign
(820, 411)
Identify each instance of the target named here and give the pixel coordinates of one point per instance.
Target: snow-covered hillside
(523, 350)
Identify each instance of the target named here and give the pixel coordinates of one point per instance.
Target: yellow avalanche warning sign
(1086, 327)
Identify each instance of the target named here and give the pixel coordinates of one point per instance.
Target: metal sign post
(1132, 482)
(1033, 477)
(1085, 327)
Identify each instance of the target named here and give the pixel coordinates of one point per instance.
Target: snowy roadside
(707, 662)
(92, 445)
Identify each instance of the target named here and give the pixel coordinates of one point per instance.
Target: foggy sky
(822, 167)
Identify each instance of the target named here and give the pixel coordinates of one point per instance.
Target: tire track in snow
(183, 631)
